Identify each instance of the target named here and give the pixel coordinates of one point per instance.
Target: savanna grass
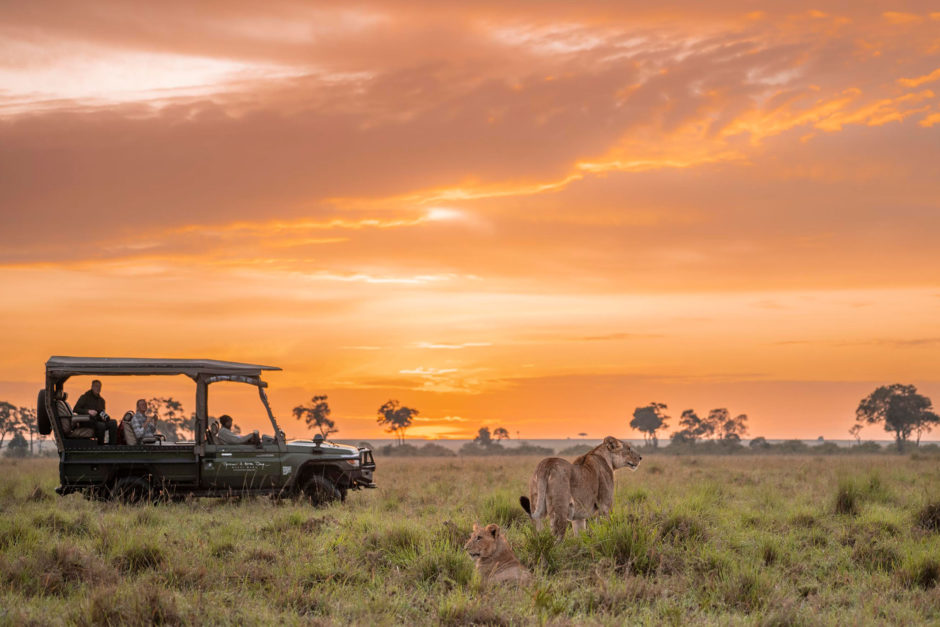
(769, 540)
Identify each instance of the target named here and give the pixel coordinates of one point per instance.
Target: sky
(530, 215)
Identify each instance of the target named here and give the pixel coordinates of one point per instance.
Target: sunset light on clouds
(531, 215)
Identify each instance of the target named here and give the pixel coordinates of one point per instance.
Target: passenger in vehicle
(92, 404)
(74, 428)
(227, 436)
(142, 423)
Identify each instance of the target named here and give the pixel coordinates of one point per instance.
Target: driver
(227, 436)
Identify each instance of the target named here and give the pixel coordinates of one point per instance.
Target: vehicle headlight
(353, 462)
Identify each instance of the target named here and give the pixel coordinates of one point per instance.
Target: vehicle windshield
(242, 403)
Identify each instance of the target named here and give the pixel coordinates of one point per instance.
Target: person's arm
(137, 424)
(83, 405)
(227, 436)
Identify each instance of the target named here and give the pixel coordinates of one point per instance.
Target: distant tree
(500, 433)
(27, 418)
(397, 418)
(732, 429)
(9, 420)
(693, 428)
(649, 420)
(18, 446)
(855, 432)
(317, 415)
(483, 437)
(901, 409)
(171, 419)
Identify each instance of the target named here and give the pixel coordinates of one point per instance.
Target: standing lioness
(575, 491)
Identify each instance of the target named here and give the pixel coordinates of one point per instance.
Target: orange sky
(537, 215)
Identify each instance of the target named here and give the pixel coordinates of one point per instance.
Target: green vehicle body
(320, 470)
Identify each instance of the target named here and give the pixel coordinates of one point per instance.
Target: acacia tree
(483, 437)
(693, 428)
(500, 433)
(730, 429)
(649, 420)
(901, 409)
(9, 420)
(855, 432)
(317, 415)
(27, 418)
(397, 418)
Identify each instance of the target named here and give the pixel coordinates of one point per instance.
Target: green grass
(718, 540)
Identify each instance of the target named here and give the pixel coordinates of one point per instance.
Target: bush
(18, 446)
(409, 450)
(471, 449)
(575, 451)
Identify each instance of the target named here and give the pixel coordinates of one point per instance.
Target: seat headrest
(61, 395)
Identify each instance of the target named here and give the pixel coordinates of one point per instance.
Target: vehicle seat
(73, 427)
(131, 438)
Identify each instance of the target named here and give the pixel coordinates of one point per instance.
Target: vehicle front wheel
(320, 491)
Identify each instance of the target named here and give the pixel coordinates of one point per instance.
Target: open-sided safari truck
(315, 469)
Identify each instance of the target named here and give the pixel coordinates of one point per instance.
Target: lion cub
(494, 558)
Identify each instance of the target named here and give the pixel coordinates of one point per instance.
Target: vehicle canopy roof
(59, 366)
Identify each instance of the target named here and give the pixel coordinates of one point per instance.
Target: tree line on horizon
(899, 408)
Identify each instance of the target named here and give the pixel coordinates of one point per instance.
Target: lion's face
(622, 455)
(483, 541)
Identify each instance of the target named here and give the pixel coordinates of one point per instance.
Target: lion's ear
(612, 442)
(493, 530)
(476, 526)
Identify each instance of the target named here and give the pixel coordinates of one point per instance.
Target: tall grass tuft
(442, 563)
(876, 556)
(848, 497)
(922, 571)
(459, 607)
(139, 557)
(745, 589)
(928, 518)
(629, 544)
(130, 604)
(539, 549)
(502, 509)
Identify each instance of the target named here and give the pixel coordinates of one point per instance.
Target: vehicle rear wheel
(131, 490)
(320, 491)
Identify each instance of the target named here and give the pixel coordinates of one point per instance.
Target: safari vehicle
(314, 469)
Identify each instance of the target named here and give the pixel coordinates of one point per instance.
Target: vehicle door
(240, 467)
